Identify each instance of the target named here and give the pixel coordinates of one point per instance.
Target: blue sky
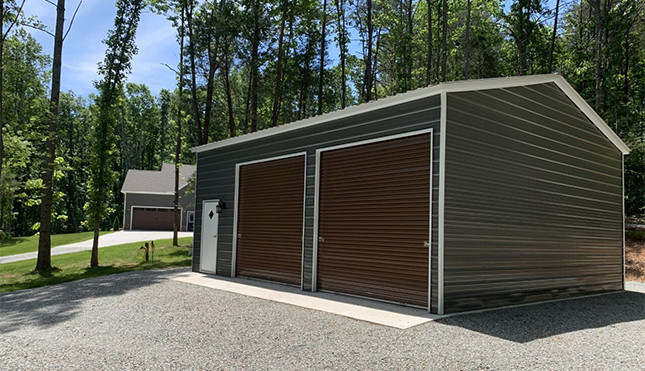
(83, 49)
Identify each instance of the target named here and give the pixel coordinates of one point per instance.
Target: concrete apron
(380, 313)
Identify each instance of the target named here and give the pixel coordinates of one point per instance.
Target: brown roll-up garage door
(374, 220)
(270, 220)
(152, 219)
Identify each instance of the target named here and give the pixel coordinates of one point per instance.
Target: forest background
(247, 65)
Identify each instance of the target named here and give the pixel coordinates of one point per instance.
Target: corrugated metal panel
(269, 229)
(373, 220)
(216, 171)
(533, 202)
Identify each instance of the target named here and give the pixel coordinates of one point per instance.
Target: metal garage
(454, 197)
(152, 219)
(269, 219)
(370, 245)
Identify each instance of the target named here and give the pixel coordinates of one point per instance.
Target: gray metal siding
(533, 200)
(216, 170)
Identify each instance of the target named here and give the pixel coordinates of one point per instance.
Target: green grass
(20, 245)
(76, 266)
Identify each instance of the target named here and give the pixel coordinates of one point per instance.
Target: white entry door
(210, 222)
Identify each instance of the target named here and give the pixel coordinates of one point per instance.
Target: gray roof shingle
(156, 182)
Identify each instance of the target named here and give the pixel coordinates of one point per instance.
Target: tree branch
(73, 17)
(170, 68)
(39, 29)
(13, 23)
(51, 2)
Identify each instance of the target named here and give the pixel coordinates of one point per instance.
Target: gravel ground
(142, 320)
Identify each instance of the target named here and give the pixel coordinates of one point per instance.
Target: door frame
(188, 214)
(201, 239)
(237, 202)
(319, 151)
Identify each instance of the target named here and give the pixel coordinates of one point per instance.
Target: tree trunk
(626, 70)
(467, 68)
(342, 45)
(553, 35)
(1, 95)
(278, 78)
(596, 5)
(323, 49)
(429, 55)
(43, 263)
(409, 38)
(444, 40)
(176, 214)
(253, 89)
(210, 87)
(193, 74)
(229, 98)
(367, 78)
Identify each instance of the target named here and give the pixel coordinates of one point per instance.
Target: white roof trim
(449, 87)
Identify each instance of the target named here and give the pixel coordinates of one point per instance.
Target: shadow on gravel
(50, 305)
(538, 321)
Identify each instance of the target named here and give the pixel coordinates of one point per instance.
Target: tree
(278, 79)
(43, 263)
(522, 22)
(5, 15)
(553, 34)
(444, 40)
(467, 67)
(323, 51)
(120, 49)
(341, 31)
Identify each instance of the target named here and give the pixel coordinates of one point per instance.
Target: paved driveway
(143, 320)
(116, 238)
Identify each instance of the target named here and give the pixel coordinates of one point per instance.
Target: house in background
(148, 197)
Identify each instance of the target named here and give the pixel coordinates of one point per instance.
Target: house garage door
(270, 220)
(374, 218)
(152, 219)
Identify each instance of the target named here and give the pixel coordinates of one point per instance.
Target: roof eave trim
(148, 193)
(592, 115)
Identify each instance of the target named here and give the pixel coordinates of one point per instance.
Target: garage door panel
(270, 206)
(374, 219)
(152, 219)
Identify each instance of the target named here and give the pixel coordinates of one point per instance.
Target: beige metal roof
(156, 182)
(449, 87)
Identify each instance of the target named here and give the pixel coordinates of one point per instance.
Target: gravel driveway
(142, 320)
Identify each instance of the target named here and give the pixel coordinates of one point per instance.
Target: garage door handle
(321, 239)
(426, 243)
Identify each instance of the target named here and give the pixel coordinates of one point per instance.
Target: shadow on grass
(10, 242)
(527, 323)
(52, 304)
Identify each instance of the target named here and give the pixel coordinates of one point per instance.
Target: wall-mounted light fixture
(220, 207)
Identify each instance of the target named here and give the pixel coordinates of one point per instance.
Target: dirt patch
(635, 259)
